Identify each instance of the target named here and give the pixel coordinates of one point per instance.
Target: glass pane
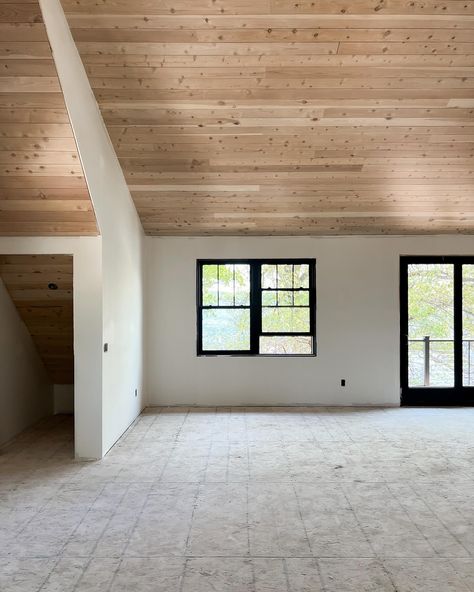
(209, 285)
(285, 298)
(242, 285)
(285, 344)
(468, 362)
(301, 298)
(285, 276)
(468, 325)
(431, 324)
(442, 363)
(269, 298)
(430, 301)
(301, 276)
(226, 329)
(285, 320)
(416, 363)
(226, 284)
(269, 276)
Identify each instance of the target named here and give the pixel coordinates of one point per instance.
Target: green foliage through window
(257, 307)
(431, 344)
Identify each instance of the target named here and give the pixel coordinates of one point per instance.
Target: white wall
(357, 323)
(121, 230)
(87, 297)
(26, 395)
(63, 398)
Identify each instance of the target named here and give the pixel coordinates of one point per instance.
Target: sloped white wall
(26, 394)
(357, 323)
(121, 231)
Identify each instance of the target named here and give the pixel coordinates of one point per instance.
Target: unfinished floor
(245, 499)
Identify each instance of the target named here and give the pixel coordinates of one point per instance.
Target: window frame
(458, 394)
(255, 306)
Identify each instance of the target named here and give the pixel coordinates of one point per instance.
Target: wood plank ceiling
(47, 314)
(42, 186)
(287, 116)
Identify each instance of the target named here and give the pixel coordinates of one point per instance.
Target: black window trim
(256, 306)
(434, 396)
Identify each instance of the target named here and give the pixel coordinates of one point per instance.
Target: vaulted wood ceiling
(42, 186)
(47, 314)
(287, 116)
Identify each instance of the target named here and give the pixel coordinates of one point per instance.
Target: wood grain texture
(47, 314)
(286, 116)
(38, 153)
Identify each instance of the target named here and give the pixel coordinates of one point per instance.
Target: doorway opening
(40, 288)
(437, 330)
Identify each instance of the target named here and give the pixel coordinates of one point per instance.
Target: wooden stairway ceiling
(287, 117)
(47, 313)
(42, 186)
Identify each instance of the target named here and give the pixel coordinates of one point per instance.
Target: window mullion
(255, 306)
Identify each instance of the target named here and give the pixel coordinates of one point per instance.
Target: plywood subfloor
(246, 500)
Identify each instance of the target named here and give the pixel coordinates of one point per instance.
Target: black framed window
(437, 330)
(256, 307)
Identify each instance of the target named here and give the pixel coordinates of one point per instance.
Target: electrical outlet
(343, 382)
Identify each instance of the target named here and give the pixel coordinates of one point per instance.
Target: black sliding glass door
(437, 330)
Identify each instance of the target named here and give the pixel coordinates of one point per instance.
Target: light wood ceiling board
(47, 314)
(284, 117)
(38, 154)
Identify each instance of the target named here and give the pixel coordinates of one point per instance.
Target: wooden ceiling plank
(234, 118)
(38, 155)
(47, 314)
(205, 21)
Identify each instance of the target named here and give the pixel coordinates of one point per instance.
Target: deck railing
(468, 362)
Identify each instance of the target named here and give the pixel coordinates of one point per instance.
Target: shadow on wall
(36, 341)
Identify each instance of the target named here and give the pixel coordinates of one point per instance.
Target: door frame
(458, 395)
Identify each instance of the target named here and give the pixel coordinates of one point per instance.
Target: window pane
(441, 364)
(301, 298)
(285, 298)
(468, 324)
(431, 300)
(416, 363)
(301, 276)
(468, 362)
(226, 285)
(242, 285)
(209, 285)
(226, 329)
(285, 276)
(285, 344)
(285, 320)
(431, 324)
(269, 276)
(269, 298)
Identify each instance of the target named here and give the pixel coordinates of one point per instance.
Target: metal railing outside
(468, 362)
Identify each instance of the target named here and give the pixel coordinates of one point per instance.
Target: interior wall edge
(122, 236)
